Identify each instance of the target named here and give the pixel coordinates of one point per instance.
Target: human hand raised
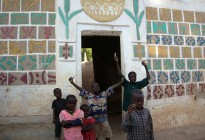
(131, 108)
(71, 79)
(144, 63)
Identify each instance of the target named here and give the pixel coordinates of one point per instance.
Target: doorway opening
(98, 65)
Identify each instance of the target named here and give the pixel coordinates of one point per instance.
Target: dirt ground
(45, 131)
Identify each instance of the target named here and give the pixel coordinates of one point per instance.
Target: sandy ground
(45, 131)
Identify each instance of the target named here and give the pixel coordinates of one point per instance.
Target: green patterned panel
(149, 64)
(203, 29)
(159, 27)
(139, 51)
(8, 63)
(47, 62)
(180, 64)
(157, 64)
(149, 29)
(172, 28)
(168, 64)
(195, 29)
(183, 29)
(191, 64)
(19, 18)
(201, 63)
(27, 62)
(4, 18)
(52, 18)
(38, 18)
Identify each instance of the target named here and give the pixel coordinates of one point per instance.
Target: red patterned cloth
(88, 134)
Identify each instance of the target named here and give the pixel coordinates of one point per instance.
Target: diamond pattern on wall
(151, 13)
(168, 64)
(152, 77)
(37, 78)
(180, 64)
(197, 76)
(191, 89)
(174, 77)
(3, 78)
(174, 52)
(177, 15)
(169, 91)
(191, 64)
(166, 39)
(46, 62)
(37, 46)
(172, 28)
(162, 77)
(153, 39)
(183, 29)
(158, 92)
(200, 41)
(159, 27)
(17, 78)
(195, 29)
(186, 52)
(27, 62)
(180, 90)
(3, 47)
(8, 63)
(185, 76)
(178, 40)
(190, 41)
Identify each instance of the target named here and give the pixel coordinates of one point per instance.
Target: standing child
(98, 104)
(88, 122)
(70, 119)
(58, 105)
(130, 85)
(138, 120)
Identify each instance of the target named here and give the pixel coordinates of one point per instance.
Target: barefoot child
(58, 105)
(138, 120)
(98, 106)
(70, 119)
(88, 123)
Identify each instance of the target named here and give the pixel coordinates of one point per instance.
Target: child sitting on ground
(98, 104)
(70, 119)
(58, 105)
(88, 122)
(138, 120)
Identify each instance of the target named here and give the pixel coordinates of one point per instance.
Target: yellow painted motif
(37, 46)
(103, 10)
(18, 48)
(3, 47)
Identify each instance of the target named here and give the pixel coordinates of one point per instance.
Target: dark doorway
(104, 67)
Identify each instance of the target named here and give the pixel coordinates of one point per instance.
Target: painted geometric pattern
(174, 77)
(51, 46)
(180, 90)
(19, 18)
(188, 16)
(200, 41)
(8, 63)
(162, 77)
(3, 78)
(186, 52)
(152, 77)
(177, 15)
(47, 32)
(191, 89)
(153, 39)
(197, 76)
(183, 29)
(169, 91)
(166, 39)
(159, 27)
(158, 92)
(46, 62)
(151, 13)
(66, 51)
(178, 40)
(149, 92)
(139, 51)
(38, 18)
(172, 28)
(48, 5)
(3, 47)
(4, 18)
(11, 5)
(157, 64)
(197, 52)
(190, 41)
(17, 47)
(201, 88)
(200, 17)
(51, 19)
(149, 28)
(165, 14)
(27, 62)
(180, 64)
(191, 64)
(51, 78)
(17, 78)
(168, 64)
(203, 30)
(27, 32)
(174, 52)
(162, 51)
(201, 63)
(8, 32)
(185, 76)
(30, 5)
(37, 46)
(195, 29)
(37, 78)
(152, 51)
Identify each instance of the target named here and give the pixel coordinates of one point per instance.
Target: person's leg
(97, 131)
(106, 130)
(57, 128)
